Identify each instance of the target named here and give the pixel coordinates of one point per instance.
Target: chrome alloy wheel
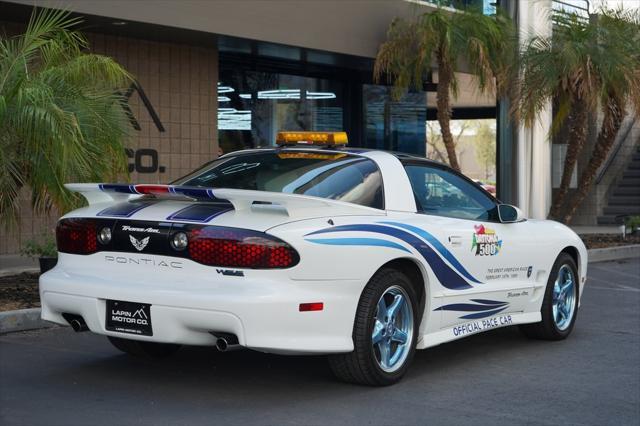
(564, 298)
(393, 329)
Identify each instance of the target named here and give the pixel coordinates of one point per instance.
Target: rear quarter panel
(333, 262)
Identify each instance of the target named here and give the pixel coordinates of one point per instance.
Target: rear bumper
(262, 312)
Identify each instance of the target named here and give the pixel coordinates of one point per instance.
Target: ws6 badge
(485, 241)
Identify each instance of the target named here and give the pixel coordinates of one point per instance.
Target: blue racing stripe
(481, 308)
(125, 209)
(488, 302)
(358, 242)
(189, 191)
(438, 246)
(122, 188)
(468, 307)
(193, 192)
(448, 277)
(484, 314)
(200, 213)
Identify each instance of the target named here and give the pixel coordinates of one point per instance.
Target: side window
(442, 193)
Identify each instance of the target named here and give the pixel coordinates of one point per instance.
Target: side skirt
(477, 326)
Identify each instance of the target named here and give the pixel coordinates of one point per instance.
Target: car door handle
(455, 240)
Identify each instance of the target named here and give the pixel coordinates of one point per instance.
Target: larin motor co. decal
(485, 241)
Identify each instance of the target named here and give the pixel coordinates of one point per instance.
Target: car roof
(345, 149)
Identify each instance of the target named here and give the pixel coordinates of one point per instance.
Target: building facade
(218, 76)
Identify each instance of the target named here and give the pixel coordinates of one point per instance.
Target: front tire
(144, 349)
(560, 304)
(384, 333)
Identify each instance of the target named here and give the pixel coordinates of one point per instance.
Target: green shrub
(632, 223)
(44, 246)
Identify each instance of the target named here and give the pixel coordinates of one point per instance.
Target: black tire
(361, 366)
(547, 328)
(144, 349)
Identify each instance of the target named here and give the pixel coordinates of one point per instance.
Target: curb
(614, 253)
(6, 272)
(21, 320)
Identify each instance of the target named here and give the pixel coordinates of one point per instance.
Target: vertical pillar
(506, 135)
(534, 143)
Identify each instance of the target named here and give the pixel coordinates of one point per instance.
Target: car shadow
(205, 371)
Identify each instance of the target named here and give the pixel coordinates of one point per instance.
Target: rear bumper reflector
(314, 306)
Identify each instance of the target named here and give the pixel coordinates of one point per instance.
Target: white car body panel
(341, 246)
(397, 188)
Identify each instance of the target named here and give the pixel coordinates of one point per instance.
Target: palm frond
(482, 42)
(60, 114)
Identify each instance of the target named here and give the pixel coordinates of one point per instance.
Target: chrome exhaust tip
(76, 322)
(222, 345)
(225, 341)
(76, 325)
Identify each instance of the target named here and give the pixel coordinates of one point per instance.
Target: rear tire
(144, 349)
(384, 333)
(559, 308)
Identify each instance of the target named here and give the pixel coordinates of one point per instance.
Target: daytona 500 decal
(485, 241)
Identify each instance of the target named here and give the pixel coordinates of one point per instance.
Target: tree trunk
(613, 115)
(575, 144)
(445, 75)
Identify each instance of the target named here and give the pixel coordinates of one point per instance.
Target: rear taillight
(208, 245)
(77, 236)
(239, 248)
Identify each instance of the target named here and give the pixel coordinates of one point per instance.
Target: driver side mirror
(510, 214)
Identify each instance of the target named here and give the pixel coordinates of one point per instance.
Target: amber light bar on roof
(312, 138)
(309, 156)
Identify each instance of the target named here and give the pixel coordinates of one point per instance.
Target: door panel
(496, 260)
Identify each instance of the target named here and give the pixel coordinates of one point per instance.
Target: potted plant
(44, 249)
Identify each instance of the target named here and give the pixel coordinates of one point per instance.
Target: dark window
(394, 125)
(336, 176)
(442, 193)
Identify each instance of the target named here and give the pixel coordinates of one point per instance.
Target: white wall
(534, 143)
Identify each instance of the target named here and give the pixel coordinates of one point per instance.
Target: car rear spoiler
(241, 199)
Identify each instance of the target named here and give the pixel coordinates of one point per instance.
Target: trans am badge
(139, 244)
(485, 241)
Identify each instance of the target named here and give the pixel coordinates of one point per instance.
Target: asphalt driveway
(57, 377)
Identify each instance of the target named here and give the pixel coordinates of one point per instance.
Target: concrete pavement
(56, 377)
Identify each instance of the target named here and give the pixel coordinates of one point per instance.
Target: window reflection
(253, 106)
(338, 176)
(488, 7)
(394, 125)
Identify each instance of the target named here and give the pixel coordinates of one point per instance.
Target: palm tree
(582, 65)
(60, 114)
(616, 66)
(485, 43)
(558, 68)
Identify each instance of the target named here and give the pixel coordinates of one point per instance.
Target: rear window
(337, 176)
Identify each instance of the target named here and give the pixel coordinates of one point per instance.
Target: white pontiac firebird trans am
(311, 247)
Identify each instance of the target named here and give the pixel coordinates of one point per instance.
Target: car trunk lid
(256, 210)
